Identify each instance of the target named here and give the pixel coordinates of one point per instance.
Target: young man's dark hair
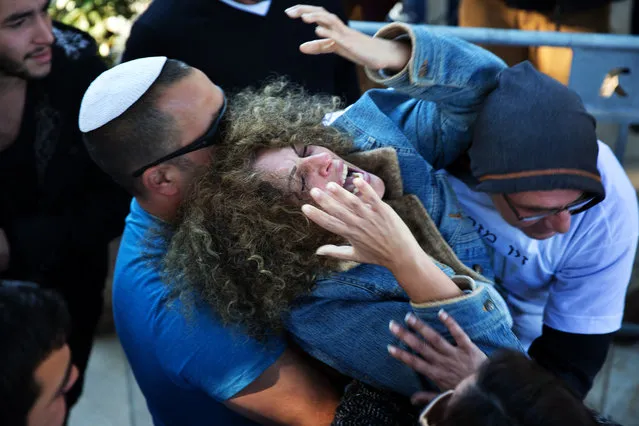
(34, 323)
(512, 389)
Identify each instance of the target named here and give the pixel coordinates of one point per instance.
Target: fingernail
(329, 45)
(410, 318)
(442, 315)
(332, 186)
(393, 326)
(306, 209)
(415, 401)
(289, 10)
(391, 349)
(316, 193)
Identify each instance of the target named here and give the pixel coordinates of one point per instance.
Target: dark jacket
(62, 241)
(236, 49)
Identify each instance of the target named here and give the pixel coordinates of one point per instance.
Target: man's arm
(263, 380)
(584, 308)
(290, 392)
(586, 297)
(575, 358)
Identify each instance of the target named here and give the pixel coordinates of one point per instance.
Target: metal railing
(604, 72)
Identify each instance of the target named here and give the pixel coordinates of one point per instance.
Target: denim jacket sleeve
(448, 79)
(344, 324)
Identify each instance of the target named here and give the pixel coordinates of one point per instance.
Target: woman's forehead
(275, 159)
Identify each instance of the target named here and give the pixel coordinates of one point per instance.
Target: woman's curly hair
(241, 245)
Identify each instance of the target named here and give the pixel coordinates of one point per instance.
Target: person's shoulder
(73, 43)
(162, 13)
(613, 221)
(140, 254)
(610, 168)
(620, 192)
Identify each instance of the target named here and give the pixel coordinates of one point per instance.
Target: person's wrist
(408, 260)
(399, 57)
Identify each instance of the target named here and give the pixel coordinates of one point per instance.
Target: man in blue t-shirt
(191, 369)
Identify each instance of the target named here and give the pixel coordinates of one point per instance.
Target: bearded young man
(59, 211)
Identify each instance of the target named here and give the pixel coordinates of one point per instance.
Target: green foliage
(106, 20)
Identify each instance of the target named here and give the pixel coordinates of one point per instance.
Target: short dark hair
(140, 135)
(513, 390)
(34, 322)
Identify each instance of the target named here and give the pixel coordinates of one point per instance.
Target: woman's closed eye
(304, 153)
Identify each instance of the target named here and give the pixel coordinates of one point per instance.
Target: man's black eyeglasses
(211, 137)
(580, 205)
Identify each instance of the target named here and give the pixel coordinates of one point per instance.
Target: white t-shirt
(575, 282)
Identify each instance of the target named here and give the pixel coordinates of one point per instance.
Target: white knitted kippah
(115, 90)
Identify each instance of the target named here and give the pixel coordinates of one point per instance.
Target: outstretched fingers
(325, 220)
(421, 348)
(414, 362)
(367, 193)
(300, 9)
(434, 339)
(458, 334)
(342, 202)
(318, 47)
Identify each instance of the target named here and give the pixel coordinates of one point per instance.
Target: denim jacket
(426, 119)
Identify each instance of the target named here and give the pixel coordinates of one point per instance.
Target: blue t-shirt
(186, 365)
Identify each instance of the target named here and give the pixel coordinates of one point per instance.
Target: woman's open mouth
(349, 174)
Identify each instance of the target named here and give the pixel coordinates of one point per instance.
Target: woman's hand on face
(375, 232)
(444, 364)
(339, 38)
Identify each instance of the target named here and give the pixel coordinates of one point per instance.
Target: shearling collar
(383, 162)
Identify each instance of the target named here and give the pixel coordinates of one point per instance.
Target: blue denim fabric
(344, 322)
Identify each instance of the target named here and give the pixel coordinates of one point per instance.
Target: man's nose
(44, 31)
(560, 222)
(320, 163)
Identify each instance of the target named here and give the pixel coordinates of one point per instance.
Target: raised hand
(339, 38)
(444, 364)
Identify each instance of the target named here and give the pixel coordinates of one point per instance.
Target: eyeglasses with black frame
(211, 137)
(580, 205)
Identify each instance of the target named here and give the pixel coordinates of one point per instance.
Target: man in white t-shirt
(560, 214)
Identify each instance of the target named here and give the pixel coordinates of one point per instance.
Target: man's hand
(339, 38)
(4, 251)
(444, 364)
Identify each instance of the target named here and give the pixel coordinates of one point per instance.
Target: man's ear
(162, 179)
